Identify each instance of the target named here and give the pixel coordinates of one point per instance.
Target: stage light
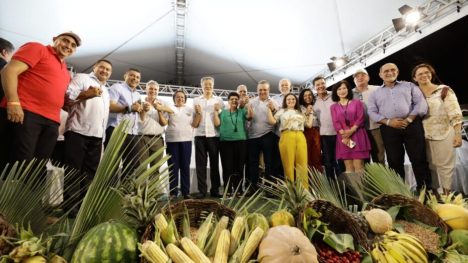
(410, 18)
(337, 62)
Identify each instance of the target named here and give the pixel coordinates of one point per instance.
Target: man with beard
(322, 106)
(35, 81)
(88, 101)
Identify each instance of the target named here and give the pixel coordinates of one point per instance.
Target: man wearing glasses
(35, 82)
(362, 92)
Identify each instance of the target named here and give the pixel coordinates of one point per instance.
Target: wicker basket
(197, 210)
(417, 210)
(338, 220)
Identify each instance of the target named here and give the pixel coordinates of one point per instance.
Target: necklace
(232, 121)
(345, 109)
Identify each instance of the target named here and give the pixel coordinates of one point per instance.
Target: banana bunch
(398, 248)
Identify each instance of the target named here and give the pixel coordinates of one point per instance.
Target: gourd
(286, 244)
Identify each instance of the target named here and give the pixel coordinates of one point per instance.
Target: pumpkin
(283, 244)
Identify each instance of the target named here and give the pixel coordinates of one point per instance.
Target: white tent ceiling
(236, 41)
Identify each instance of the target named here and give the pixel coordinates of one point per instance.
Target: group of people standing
(332, 132)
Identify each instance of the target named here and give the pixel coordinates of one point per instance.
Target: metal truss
(180, 11)
(434, 10)
(191, 92)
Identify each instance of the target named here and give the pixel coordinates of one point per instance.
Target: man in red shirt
(34, 83)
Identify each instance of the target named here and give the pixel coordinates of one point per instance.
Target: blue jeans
(180, 165)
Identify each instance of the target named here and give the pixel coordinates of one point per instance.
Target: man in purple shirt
(399, 107)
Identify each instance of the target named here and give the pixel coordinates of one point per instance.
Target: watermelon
(107, 242)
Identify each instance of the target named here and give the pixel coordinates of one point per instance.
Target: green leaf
(393, 211)
(340, 242)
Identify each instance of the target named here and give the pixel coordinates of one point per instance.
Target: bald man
(399, 106)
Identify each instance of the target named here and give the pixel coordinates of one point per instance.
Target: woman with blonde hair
(442, 125)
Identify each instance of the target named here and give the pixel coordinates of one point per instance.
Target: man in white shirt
(85, 128)
(150, 125)
(362, 91)
(88, 100)
(207, 140)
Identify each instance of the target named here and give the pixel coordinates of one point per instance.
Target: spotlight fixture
(337, 62)
(410, 18)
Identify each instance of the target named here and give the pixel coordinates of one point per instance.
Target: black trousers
(5, 136)
(268, 144)
(233, 158)
(333, 167)
(131, 151)
(412, 140)
(34, 138)
(207, 147)
(82, 153)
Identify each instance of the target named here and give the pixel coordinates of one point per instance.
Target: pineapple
(293, 195)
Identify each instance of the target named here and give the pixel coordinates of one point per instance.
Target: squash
(286, 244)
(454, 215)
(380, 221)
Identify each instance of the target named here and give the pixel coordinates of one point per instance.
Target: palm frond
(24, 193)
(379, 179)
(101, 202)
(328, 189)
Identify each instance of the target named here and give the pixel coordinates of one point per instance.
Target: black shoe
(216, 195)
(188, 196)
(199, 196)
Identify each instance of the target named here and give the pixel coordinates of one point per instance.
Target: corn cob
(168, 234)
(160, 221)
(210, 248)
(177, 255)
(204, 231)
(222, 249)
(186, 226)
(193, 251)
(152, 252)
(237, 230)
(237, 255)
(252, 244)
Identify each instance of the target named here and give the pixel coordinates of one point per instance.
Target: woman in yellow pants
(292, 144)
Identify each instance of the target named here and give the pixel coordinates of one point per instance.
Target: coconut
(380, 221)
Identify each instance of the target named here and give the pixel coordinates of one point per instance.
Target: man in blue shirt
(399, 107)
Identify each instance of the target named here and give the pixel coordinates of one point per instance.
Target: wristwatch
(409, 120)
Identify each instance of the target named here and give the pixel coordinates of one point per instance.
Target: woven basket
(339, 221)
(417, 210)
(197, 210)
